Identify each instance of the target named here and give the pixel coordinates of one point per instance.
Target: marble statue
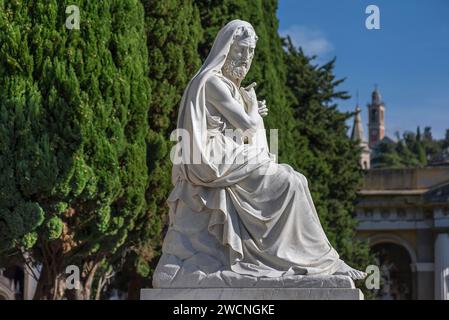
(237, 217)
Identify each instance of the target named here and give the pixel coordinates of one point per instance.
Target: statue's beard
(235, 70)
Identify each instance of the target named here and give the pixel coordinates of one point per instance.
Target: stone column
(29, 283)
(442, 267)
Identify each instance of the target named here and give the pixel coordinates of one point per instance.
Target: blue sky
(408, 58)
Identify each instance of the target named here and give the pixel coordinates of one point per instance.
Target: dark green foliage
(392, 156)
(445, 142)
(73, 112)
(410, 150)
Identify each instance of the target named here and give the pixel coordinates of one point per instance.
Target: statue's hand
(263, 109)
(249, 95)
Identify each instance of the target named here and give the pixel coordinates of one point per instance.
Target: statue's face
(239, 59)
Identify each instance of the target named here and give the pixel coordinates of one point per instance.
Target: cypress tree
(173, 32)
(73, 112)
(445, 142)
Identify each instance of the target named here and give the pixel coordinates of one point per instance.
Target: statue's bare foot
(351, 272)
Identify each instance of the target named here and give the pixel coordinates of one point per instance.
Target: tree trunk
(49, 285)
(86, 281)
(134, 286)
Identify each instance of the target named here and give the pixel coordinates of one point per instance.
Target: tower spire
(357, 129)
(376, 97)
(357, 135)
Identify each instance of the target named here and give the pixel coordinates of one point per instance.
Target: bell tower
(376, 121)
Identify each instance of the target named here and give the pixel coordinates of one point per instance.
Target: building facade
(404, 215)
(17, 282)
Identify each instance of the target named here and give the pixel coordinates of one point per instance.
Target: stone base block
(251, 294)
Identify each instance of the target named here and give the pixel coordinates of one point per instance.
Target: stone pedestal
(288, 288)
(252, 294)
